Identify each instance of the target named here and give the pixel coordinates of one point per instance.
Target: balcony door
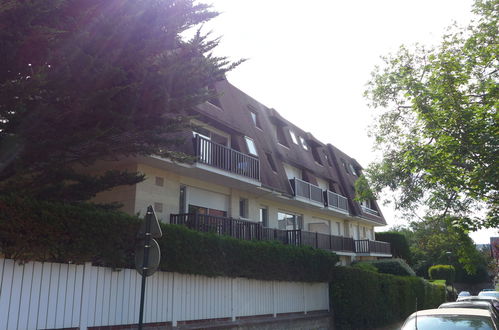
(207, 202)
(211, 145)
(289, 221)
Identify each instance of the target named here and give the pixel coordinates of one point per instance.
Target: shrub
(398, 243)
(50, 231)
(392, 266)
(363, 300)
(365, 266)
(442, 272)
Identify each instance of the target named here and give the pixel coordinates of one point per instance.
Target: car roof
(454, 311)
(478, 298)
(466, 303)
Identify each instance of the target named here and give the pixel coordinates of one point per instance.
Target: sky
(311, 60)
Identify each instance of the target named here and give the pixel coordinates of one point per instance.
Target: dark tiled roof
(234, 117)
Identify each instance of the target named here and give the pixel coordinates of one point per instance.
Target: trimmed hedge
(48, 231)
(398, 244)
(390, 266)
(442, 272)
(364, 300)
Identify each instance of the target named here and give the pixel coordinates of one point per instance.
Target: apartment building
(256, 176)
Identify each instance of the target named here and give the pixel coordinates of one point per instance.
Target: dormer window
(303, 143)
(254, 117)
(353, 170)
(317, 156)
(293, 137)
(281, 139)
(251, 146)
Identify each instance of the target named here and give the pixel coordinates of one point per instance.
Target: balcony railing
(248, 230)
(369, 210)
(369, 246)
(227, 159)
(307, 190)
(336, 201)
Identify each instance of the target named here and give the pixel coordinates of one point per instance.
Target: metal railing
(336, 201)
(369, 210)
(248, 230)
(369, 246)
(227, 159)
(307, 190)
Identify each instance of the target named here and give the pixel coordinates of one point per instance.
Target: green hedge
(390, 266)
(442, 272)
(363, 300)
(398, 244)
(47, 231)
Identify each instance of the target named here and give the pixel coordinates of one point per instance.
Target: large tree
(438, 131)
(84, 80)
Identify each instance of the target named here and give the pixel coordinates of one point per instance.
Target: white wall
(51, 295)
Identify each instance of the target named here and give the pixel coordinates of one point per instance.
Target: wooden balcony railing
(227, 159)
(307, 190)
(336, 201)
(248, 230)
(369, 246)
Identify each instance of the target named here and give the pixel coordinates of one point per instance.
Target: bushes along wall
(363, 299)
(49, 231)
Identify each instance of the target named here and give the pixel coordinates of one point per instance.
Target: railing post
(316, 240)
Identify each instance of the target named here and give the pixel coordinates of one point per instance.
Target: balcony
(336, 202)
(226, 159)
(248, 230)
(307, 191)
(369, 210)
(367, 246)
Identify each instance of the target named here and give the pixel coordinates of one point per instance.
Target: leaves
(83, 81)
(439, 132)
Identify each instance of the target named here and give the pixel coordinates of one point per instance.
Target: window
(317, 156)
(210, 135)
(330, 163)
(255, 118)
(206, 211)
(271, 161)
(243, 208)
(293, 137)
(281, 139)
(338, 228)
(251, 146)
(264, 216)
(353, 170)
(289, 221)
(303, 143)
(182, 199)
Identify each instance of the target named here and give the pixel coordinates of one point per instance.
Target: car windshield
(449, 322)
(489, 293)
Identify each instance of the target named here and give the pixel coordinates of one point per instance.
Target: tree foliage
(439, 241)
(439, 132)
(87, 80)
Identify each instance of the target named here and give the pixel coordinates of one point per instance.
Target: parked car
(452, 319)
(492, 300)
(464, 294)
(489, 293)
(478, 304)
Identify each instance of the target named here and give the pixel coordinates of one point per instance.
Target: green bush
(390, 266)
(363, 300)
(398, 244)
(48, 231)
(365, 266)
(442, 272)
